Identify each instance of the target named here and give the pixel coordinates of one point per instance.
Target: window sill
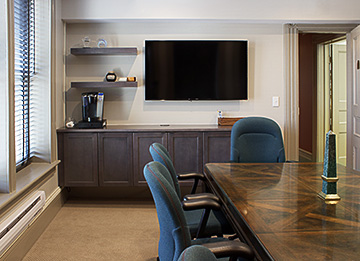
(26, 180)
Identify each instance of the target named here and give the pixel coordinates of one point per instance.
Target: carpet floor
(99, 230)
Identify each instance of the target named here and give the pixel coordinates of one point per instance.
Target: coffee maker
(92, 110)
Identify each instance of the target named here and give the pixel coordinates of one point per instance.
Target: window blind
(24, 33)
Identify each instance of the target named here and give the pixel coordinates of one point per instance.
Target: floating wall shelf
(104, 51)
(102, 84)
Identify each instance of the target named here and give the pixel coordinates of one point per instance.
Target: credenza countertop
(147, 128)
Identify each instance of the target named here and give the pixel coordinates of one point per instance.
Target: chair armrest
(202, 196)
(230, 249)
(204, 203)
(185, 176)
(207, 205)
(195, 176)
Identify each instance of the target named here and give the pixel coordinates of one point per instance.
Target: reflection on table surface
(276, 207)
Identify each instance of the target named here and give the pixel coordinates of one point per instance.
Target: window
(24, 43)
(25, 101)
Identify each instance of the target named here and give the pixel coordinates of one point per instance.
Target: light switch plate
(275, 101)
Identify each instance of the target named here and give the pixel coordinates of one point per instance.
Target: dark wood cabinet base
(116, 156)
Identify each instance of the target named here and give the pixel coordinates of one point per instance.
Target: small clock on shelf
(110, 77)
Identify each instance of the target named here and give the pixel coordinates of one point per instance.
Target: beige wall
(131, 22)
(127, 105)
(260, 10)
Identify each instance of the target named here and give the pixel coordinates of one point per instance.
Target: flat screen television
(196, 70)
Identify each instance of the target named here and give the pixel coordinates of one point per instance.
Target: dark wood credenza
(116, 155)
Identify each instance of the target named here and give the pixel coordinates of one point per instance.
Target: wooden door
(339, 100)
(185, 149)
(141, 145)
(80, 162)
(216, 147)
(115, 159)
(353, 129)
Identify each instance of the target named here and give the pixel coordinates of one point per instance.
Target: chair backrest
(160, 154)
(197, 253)
(174, 232)
(256, 139)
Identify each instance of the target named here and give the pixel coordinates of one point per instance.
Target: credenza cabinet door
(216, 147)
(115, 159)
(80, 159)
(141, 145)
(185, 149)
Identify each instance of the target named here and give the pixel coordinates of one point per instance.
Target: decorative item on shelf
(122, 79)
(228, 121)
(102, 43)
(110, 76)
(329, 177)
(131, 79)
(86, 42)
(70, 123)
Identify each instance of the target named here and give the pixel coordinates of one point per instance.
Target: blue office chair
(256, 139)
(197, 253)
(174, 231)
(217, 223)
(159, 153)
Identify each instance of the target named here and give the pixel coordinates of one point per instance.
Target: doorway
(322, 93)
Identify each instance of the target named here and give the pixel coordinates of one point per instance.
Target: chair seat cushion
(202, 241)
(222, 248)
(216, 225)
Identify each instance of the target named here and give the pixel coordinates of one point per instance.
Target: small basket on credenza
(228, 121)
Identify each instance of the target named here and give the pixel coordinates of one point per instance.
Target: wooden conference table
(275, 209)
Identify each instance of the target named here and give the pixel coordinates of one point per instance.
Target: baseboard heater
(12, 226)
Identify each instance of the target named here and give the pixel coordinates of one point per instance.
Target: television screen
(196, 70)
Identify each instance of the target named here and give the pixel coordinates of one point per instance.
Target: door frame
(323, 96)
(291, 47)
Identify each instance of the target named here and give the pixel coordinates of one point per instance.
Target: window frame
(13, 184)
